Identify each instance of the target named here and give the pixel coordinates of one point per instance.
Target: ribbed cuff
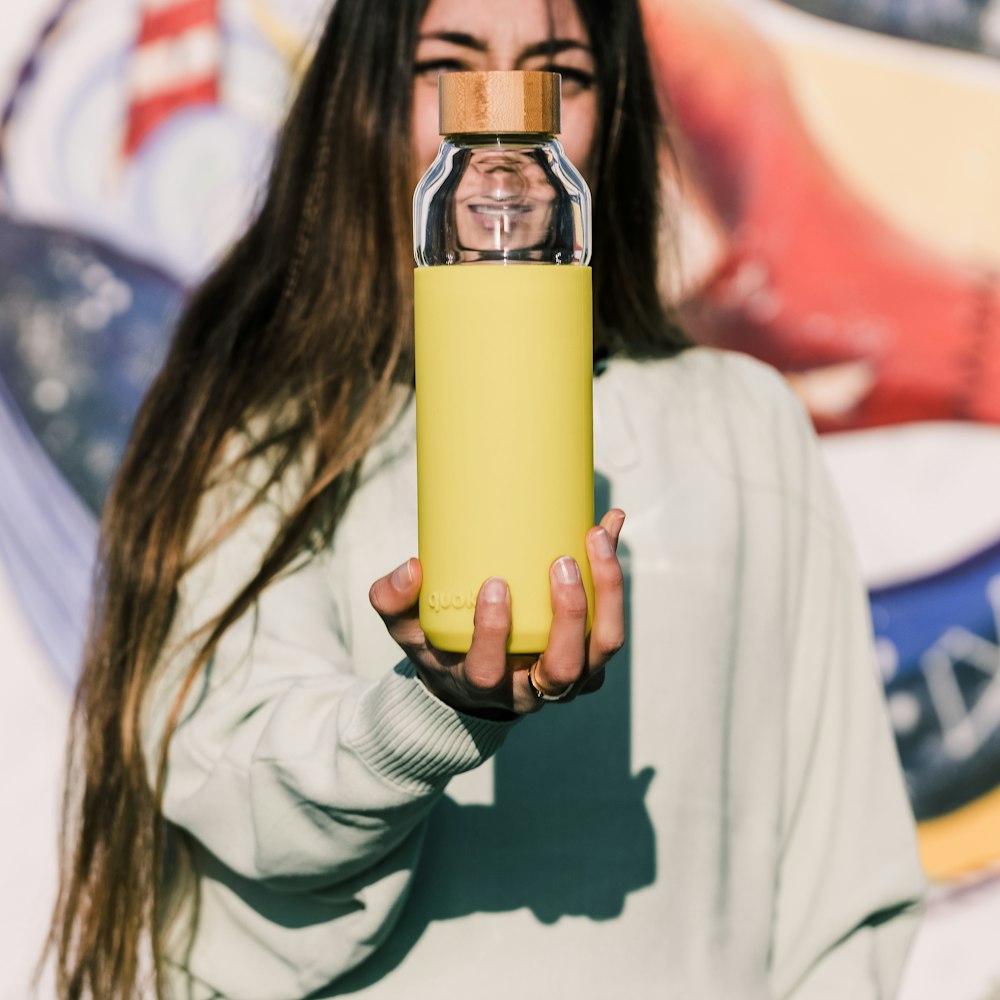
(407, 735)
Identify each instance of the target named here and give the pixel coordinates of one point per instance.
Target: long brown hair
(309, 317)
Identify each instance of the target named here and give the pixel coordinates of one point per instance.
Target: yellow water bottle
(504, 357)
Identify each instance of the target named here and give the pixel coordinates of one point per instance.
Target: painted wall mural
(836, 213)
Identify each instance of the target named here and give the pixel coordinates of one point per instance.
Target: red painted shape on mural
(811, 276)
(175, 65)
(146, 116)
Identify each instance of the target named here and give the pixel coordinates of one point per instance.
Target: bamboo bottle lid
(500, 101)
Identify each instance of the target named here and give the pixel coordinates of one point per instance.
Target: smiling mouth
(496, 217)
(499, 210)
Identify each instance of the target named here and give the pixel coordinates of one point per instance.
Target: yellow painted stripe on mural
(962, 842)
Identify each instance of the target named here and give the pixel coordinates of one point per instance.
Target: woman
(726, 818)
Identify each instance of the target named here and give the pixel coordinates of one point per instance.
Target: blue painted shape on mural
(83, 330)
(959, 24)
(915, 614)
(944, 695)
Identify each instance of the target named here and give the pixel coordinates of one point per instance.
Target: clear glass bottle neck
(501, 198)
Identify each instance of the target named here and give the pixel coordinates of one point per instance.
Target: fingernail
(602, 542)
(619, 522)
(402, 576)
(567, 570)
(494, 590)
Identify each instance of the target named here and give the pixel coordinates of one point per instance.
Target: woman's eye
(435, 67)
(574, 79)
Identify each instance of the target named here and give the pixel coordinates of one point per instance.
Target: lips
(489, 215)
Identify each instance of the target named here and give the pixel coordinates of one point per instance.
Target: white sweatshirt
(726, 818)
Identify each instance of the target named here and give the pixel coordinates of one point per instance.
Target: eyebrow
(456, 38)
(549, 47)
(553, 47)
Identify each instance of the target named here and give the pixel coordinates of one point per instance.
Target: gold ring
(539, 693)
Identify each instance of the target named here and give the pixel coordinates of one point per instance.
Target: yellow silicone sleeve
(505, 469)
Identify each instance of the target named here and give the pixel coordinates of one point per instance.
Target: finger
(485, 664)
(612, 523)
(607, 633)
(562, 663)
(594, 683)
(394, 597)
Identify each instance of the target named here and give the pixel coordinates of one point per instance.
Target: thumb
(396, 593)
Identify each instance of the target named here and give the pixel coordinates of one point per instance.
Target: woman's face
(502, 35)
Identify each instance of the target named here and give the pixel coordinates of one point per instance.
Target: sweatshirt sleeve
(289, 766)
(850, 881)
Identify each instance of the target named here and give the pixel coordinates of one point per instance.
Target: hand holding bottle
(488, 680)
